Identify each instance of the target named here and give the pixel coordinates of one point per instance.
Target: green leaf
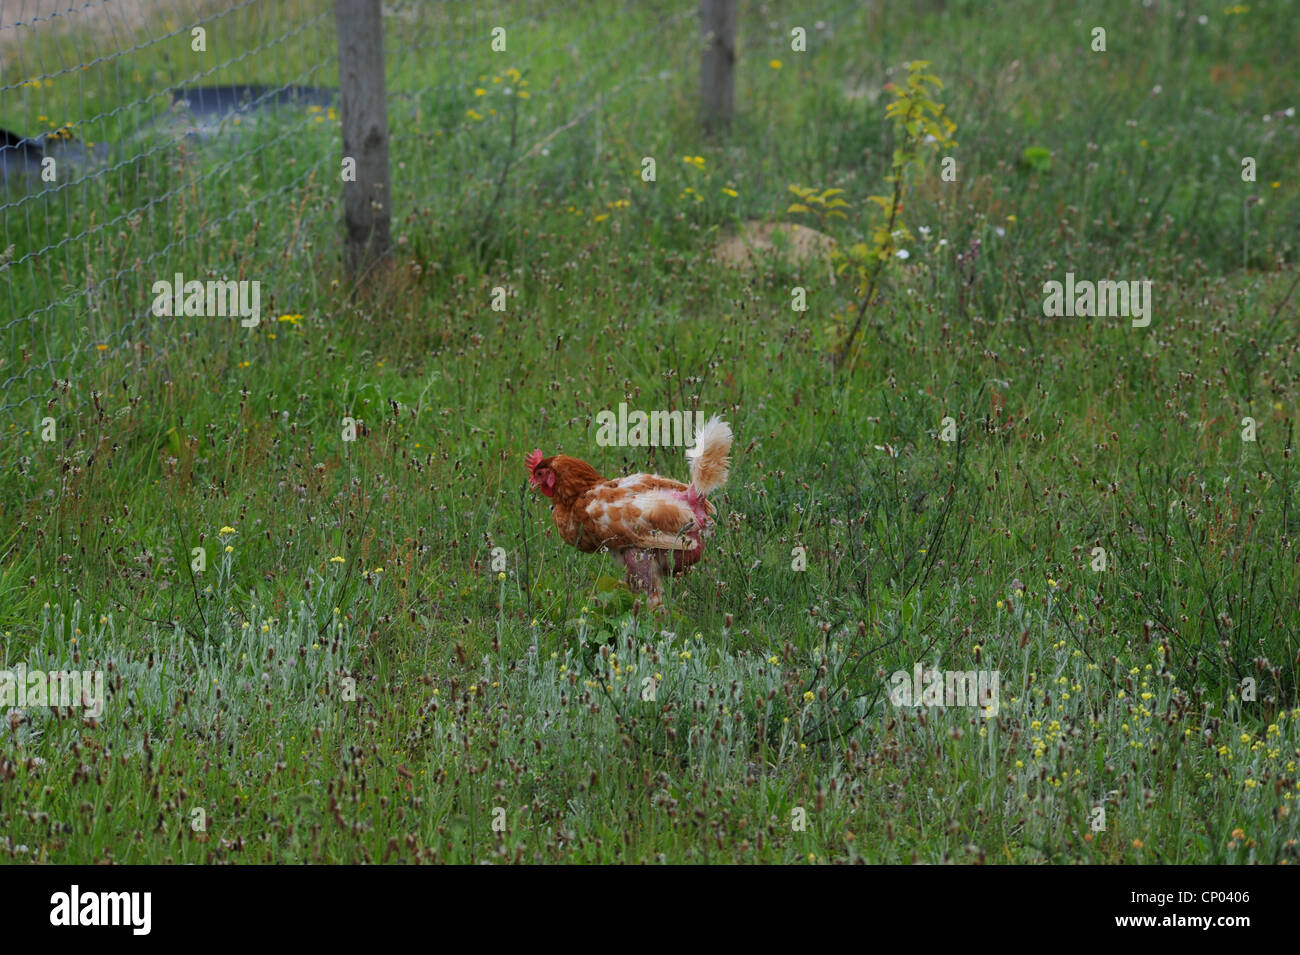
(1037, 158)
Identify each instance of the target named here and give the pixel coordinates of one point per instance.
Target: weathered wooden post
(717, 65)
(363, 102)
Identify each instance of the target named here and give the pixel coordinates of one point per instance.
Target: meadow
(388, 654)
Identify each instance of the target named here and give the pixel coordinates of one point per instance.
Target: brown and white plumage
(653, 524)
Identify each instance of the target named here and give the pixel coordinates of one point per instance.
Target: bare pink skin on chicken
(640, 564)
(645, 570)
(685, 558)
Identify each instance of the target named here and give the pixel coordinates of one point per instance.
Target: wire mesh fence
(145, 140)
(155, 149)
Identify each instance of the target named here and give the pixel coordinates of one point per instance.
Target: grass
(410, 698)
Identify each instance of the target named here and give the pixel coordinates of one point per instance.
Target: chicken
(654, 525)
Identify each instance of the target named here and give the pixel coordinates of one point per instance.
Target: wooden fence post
(363, 103)
(717, 65)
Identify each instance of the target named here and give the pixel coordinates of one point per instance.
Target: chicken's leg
(644, 575)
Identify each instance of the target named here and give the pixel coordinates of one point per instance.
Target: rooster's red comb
(532, 460)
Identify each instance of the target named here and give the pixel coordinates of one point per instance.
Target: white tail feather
(709, 462)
